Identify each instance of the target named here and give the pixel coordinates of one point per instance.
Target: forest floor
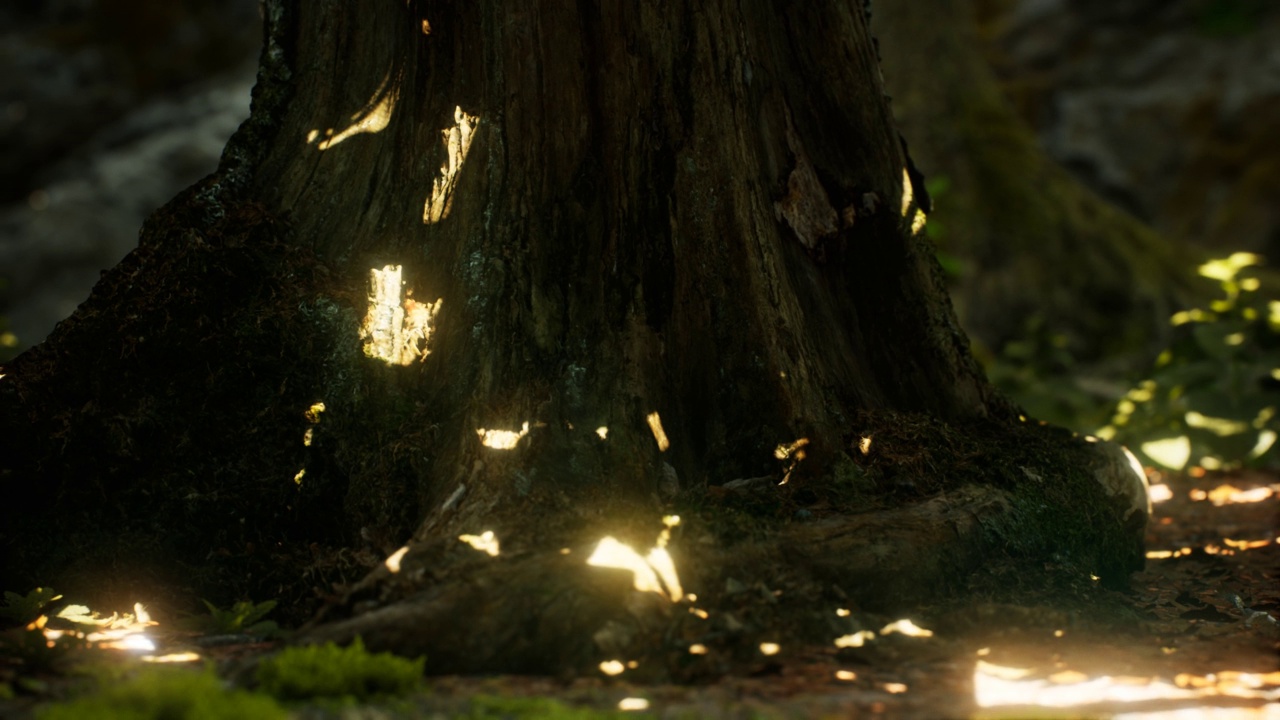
(1194, 635)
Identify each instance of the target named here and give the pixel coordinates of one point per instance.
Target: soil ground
(1194, 635)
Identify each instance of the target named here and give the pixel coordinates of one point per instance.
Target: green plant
(242, 617)
(22, 609)
(165, 693)
(1038, 371)
(488, 707)
(1212, 396)
(330, 671)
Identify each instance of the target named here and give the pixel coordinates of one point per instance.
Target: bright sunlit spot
(118, 632)
(996, 685)
(654, 573)
(906, 627)
(603, 432)
(659, 435)
(854, 640)
(633, 703)
(372, 118)
(612, 667)
(485, 542)
(697, 649)
(1160, 493)
(397, 333)
(846, 675)
(181, 657)
(393, 562)
(864, 445)
(1229, 494)
(457, 143)
(502, 439)
(768, 648)
(895, 688)
(908, 192)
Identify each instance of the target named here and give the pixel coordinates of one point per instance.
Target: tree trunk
(550, 272)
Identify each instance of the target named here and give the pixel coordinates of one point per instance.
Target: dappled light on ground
(457, 143)
(77, 625)
(998, 685)
(395, 332)
(1229, 494)
(372, 118)
(393, 562)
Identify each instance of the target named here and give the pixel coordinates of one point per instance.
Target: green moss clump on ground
(167, 693)
(330, 671)
(488, 707)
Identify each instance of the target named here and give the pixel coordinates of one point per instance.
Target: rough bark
(645, 252)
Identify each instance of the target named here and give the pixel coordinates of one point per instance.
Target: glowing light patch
(659, 435)
(140, 643)
(297, 479)
(1160, 493)
(699, 612)
(484, 542)
(995, 685)
(857, 639)
(1229, 494)
(918, 222)
(908, 192)
(120, 632)
(906, 627)
(697, 649)
(1172, 453)
(397, 333)
(842, 612)
(603, 432)
(786, 450)
(457, 143)
(895, 688)
(846, 675)
(864, 445)
(768, 648)
(306, 438)
(502, 439)
(1247, 544)
(614, 554)
(612, 667)
(1058, 633)
(181, 657)
(393, 562)
(313, 413)
(372, 118)
(633, 703)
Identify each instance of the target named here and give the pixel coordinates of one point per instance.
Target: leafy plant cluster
(243, 617)
(331, 671)
(1212, 397)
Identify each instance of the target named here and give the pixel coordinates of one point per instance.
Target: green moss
(168, 693)
(330, 671)
(488, 707)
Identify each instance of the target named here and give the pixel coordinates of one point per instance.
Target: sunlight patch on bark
(393, 562)
(655, 573)
(659, 435)
(398, 333)
(457, 143)
(372, 118)
(485, 542)
(502, 439)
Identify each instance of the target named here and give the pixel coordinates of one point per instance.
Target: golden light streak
(372, 118)
(842, 612)
(659, 435)
(502, 439)
(769, 648)
(1248, 544)
(908, 192)
(1229, 494)
(457, 143)
(854, 640)
(612, 667)
(786, 450)
(906, 627)
(393, 562)
(397, 333)
(699, 612)
(633, 703)
(697, 649)
(484, 542)
(181, 657)
(895, 688)
(995, 685)
(846, 675)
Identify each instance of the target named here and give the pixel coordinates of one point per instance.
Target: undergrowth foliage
(1212, 395)
(330, 671)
